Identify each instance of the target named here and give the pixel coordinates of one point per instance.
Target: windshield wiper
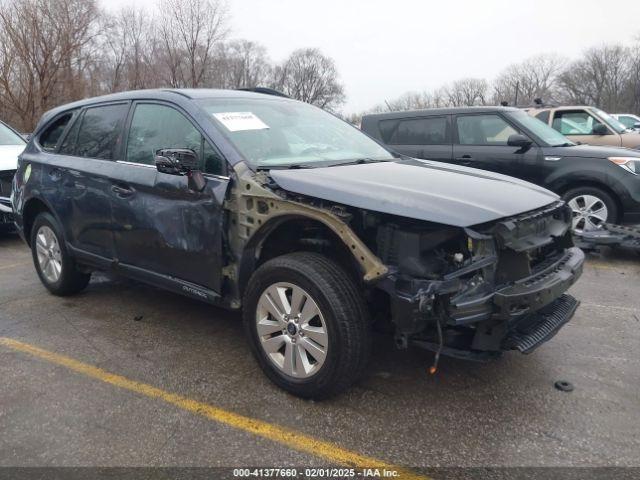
(565, 144)
(358, 161)
(286, 166)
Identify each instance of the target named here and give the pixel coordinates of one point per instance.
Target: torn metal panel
(252, 206)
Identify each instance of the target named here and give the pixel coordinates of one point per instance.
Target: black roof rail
(264, 90)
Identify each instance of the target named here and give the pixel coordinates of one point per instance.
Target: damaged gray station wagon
(255, 201)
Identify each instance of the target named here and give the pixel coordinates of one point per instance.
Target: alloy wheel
(49, 255)
(589, 212)
(292, 330)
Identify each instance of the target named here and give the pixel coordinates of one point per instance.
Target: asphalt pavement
(503, 413)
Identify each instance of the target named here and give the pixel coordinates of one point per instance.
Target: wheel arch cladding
(32, 209)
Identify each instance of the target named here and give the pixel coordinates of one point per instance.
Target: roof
(438, 111)
(557, 107)
(169, 94)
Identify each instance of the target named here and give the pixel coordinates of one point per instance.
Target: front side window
(574, 122)
(100, 131)
(51, 136)
(9, 137)
(483, 130)
(155, 127)
(416, 131)
(275, 132)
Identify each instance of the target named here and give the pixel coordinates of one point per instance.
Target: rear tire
(332, 351)
(55, 266)
(591, 207)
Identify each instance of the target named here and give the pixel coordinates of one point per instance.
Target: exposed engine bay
(470, 292)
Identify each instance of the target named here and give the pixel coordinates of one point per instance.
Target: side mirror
(600, 129)
(176, 161)
(182, 162)
(520, 141)
(636, 126)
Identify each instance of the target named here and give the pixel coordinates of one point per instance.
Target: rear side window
(100, 132)
(50, 138)
(416, 131)
(483, 130)
(543, 116)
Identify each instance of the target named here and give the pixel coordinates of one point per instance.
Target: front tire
(591, 207)
(307, 324)
(55, 267)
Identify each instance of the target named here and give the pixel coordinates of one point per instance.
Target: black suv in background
(263, 203)
(600, 184)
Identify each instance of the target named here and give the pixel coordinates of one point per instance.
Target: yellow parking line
(285, 436)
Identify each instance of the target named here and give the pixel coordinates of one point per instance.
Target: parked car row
(600, 183)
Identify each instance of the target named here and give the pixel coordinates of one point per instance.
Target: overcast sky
(386, 47)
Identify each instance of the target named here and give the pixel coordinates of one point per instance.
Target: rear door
(427, 137)
(75, 175)
(162, 227)
(480, 141)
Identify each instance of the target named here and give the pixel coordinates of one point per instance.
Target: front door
(480, 141)
(162, 227)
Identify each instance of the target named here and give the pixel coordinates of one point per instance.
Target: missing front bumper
(524, 296)
(530, 332)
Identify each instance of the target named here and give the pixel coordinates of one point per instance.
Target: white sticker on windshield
(238, 121)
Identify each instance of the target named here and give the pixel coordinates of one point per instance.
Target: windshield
(609, 120)
(284, 133)
(551, 137)
(9, 137)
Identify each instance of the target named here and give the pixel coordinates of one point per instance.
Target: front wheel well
(297, 234)
(31, 210)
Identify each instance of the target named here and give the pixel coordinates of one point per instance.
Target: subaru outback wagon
(254, 201)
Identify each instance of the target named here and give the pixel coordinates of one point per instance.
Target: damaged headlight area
(475, 292)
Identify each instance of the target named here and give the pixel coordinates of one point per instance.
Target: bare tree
(45, 50)
(467, 92)
(310, 76)
(127, 59)
(536, 77)
(240, 64)
(189, 31)
(600, 78)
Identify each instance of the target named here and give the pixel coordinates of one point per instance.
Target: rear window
(415, 131)
(100, 131)
(50, 138)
